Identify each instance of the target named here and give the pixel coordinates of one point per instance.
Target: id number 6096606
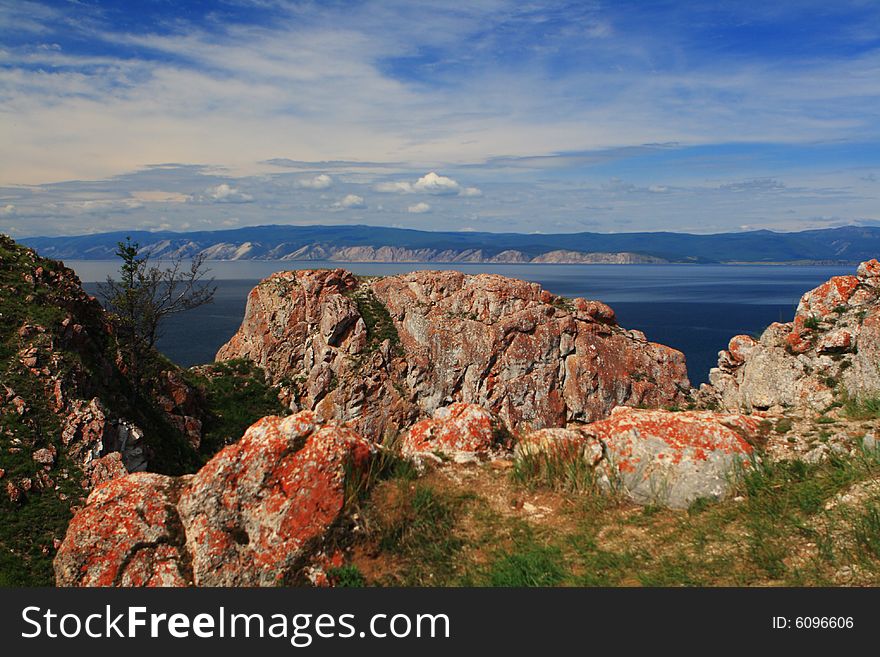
(814, 622)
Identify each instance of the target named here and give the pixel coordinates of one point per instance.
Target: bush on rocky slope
(65, 401)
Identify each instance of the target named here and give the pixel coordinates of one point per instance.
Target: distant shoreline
(737, 263)
(846, 246)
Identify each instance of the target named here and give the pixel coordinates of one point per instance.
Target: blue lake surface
(694, 308)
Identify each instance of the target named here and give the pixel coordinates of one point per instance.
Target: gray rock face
(673, 459)
(383, 353)
(831, 346)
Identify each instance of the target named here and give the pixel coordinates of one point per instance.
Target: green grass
(781, 530)
(422, 534)
(236, 395)
(563, 468)
(862, 408)
(377, 319)
(866, 530)
(529, 564)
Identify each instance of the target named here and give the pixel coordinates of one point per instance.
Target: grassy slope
(789, 523)
(27, 529)
(236, 396)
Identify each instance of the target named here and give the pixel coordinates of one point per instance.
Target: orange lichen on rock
(251, 516)
(461, 432)
(673, 458)
(380, 354)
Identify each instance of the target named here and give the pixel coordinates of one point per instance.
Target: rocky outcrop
(461, 432)
(128, 534)
(831, 346)
(673, 459)
(252, 516)
(382, 353)
(182, 404)
(65, 393)
(66, 363)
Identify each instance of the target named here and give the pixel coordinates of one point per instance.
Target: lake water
(694, 308)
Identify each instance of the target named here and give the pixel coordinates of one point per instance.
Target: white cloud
(658, 189)
(7, 209)
(419, 208)
(431, 183)
(351, 202)
(225, 193)
(435, 184)
(321, 181)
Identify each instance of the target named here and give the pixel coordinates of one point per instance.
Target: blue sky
(493, 115)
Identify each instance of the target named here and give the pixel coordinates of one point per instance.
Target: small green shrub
(783, 426)
(348, 576)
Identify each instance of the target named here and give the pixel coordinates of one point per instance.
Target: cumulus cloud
(7, 209)
(321, 181)
(658, 189)
(351, 202)
(224, 193)
(431, 183)
(435, 184)
(419, 208)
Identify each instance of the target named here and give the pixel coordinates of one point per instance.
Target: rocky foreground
(431, 428)
(460, 378)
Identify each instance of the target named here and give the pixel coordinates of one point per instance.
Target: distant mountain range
(377, 244)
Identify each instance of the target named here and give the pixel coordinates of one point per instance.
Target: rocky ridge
(830, 349)
(382, 353)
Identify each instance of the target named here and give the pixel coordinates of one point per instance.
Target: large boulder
(128, 534)
(252, 516)
(461, 432)
(382, 353)
(672, 459)
(253, 513)
(831, 345)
